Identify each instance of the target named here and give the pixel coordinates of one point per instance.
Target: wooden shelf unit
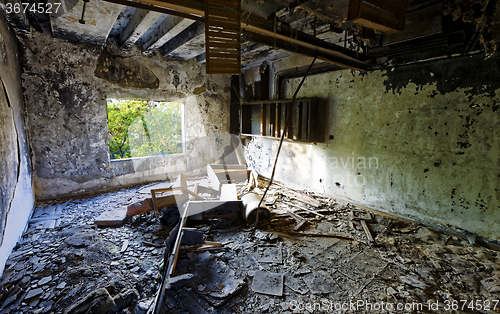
(268, 117)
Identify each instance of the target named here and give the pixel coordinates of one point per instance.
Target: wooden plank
(219, 12)
(180, 181)
(226, 3)
(303, 208)
(169, 200)
(227, 71)
(224, 55)
(301, 197)
(228, 24)
(197, 207)
(228, 167)
(214, 180)
(228, 192)
(367, 230)
(212, 33)
(224, 45)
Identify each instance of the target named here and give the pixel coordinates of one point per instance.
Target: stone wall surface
(66, 87)
(16, 191)
(420, 141)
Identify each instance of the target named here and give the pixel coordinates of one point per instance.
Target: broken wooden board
(224, 174)
(302, 197)
(174, 197)
(180, 181)
(112, 218)
(268, 283)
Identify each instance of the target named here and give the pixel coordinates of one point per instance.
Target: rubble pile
(311, 254)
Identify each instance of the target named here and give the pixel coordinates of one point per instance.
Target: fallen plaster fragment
(320, 282)
(268, 283)
(270, 254)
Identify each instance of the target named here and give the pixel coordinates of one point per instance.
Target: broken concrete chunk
(268, 283)
(113, 218)
(124, 246)
(125, 299)
(34, 293)
(413, 281)
(44, 280)
(220, 280)
(96, 302)
(62, 285)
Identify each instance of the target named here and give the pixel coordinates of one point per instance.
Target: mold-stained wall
(16, 191)
(66, 87)
(420, 141)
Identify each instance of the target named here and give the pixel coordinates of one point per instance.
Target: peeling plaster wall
(16, 191)
(431, 131)
(67, 119)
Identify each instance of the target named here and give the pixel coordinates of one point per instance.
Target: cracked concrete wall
(420, 142)
(16, 191)
(67, 117)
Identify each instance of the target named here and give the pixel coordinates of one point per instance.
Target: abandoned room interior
(227, 156)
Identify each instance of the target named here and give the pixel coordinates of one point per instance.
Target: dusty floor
(79, 268)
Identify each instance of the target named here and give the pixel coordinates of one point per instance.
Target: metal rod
(82, 21)
(281, 143)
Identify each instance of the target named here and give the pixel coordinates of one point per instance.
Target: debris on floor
(81, 262)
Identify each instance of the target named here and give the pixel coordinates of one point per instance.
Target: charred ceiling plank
(187, 44)
(99, 19)
(295, 40)
(140, 22)
(168, 29)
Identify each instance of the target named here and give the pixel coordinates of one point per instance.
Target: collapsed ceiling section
(355, 34)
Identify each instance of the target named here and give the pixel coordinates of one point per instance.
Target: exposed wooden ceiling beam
(192, 33)
(253, 25)
(167, 30)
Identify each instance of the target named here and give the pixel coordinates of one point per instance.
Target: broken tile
(34, 292)
(268, 283)
(269, 254)
(320, 282)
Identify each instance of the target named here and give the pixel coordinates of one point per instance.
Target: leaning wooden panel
(223, 36)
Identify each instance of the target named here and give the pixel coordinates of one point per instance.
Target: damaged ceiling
(176, 29)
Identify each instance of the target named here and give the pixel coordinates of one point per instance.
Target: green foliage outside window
(139, 128)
